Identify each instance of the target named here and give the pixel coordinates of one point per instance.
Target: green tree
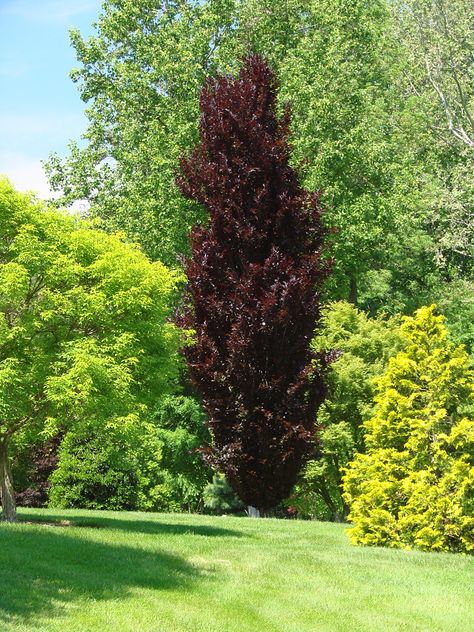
(364, 346)
(340, 67)
(182, 431)
(117, 467)
(338, 80)
(437, 71)
(414, 487)
(363, 130)
(141, 76)
(439, 39)
(136, 464)
(220, 498)
(435, 76)
(84, 336)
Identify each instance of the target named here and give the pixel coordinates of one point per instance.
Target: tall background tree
(437, 67)
(364, 130)
(440, 42)
(141, 75)
(254, 283)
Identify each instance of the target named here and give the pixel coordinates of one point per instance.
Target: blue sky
(40, 108)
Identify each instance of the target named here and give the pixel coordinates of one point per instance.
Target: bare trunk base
(253, 512)
(6, 486)
(353, 291)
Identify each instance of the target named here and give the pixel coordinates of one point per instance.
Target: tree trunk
(330, 504)
(353, 291)
(6, 487)
(253, 512)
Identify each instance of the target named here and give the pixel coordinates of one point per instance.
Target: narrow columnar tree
(254, 287)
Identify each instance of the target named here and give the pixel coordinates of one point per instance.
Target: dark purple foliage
(254, 288)
(44, 459)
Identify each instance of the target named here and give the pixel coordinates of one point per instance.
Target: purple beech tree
(254, 282)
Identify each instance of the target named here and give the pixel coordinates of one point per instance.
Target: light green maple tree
(84, 336)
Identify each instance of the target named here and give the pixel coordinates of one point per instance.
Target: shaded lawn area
(119, 571)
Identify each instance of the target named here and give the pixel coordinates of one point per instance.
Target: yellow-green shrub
(364, 346)
(415, 485)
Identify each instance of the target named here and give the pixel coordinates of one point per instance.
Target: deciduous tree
(83, 331)
(439, 39)
(254, 283)
(140, 75)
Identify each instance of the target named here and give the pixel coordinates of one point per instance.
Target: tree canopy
(84, 336)
(365, 130)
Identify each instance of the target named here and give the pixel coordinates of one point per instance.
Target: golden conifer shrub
(414, 488)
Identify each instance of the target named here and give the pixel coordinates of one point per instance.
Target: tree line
(381, 97)
(380, 100)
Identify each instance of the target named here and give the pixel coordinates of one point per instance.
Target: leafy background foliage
(368, 129)
(363, 346)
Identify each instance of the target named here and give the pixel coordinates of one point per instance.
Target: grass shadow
(152, 527)
(43, 569)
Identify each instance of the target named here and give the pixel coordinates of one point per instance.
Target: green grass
(159, 572)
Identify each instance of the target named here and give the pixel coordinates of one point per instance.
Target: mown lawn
(162, 572)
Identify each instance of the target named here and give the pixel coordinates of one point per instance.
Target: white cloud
(25, 174)
(49, 10)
